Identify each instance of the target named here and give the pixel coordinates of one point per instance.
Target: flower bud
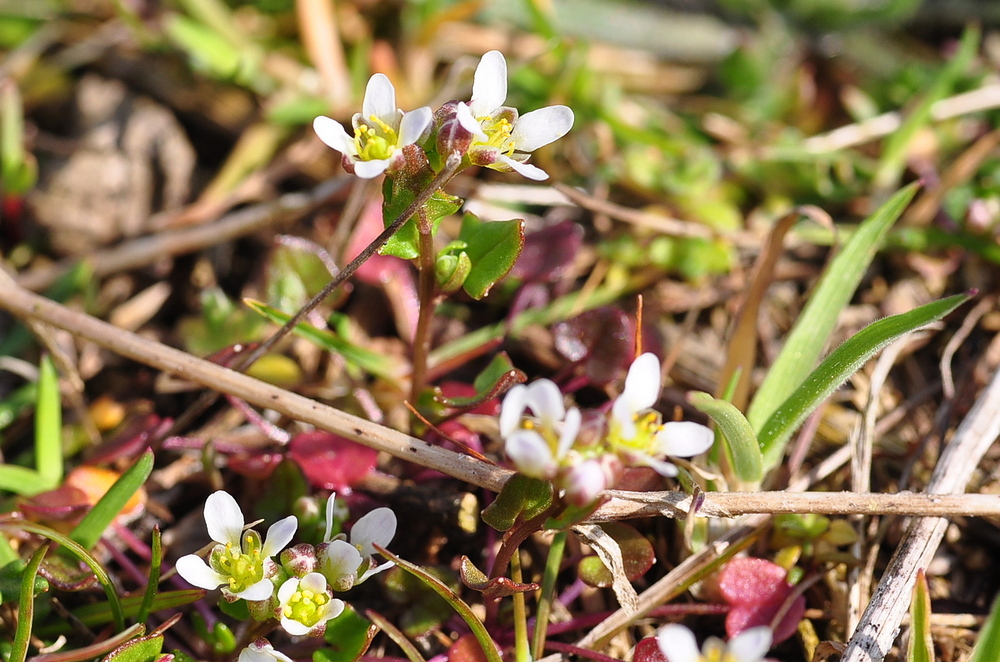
(299, 560)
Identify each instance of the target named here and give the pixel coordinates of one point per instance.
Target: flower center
(498, 134)
(647, 425)
(243, 567)
(375, 141)
(305, 606)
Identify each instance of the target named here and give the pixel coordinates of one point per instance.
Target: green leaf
(153, 583)
(397, 195)
(812, 330)
(989, 637)
(521, 498)
(90, 528)
(490, 649)
(394, 633)
(26, 606)
(48, 426)
(742, 447)
(99, 613)
(493, 248)
(369, 361)
(921, 648)
(141, 649)
(348, 637)
(499, 374)
(838, 366)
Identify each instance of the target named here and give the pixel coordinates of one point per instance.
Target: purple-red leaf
(331, 462)
(757, 590)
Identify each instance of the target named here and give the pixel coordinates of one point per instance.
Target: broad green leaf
(989, 637)
(141, 649)
(921, 648)
(90, 528)
(521, 498)
(742, 447)
(372, 362)
(838, 366)
(490, 650)
(493, 248)
(26, 606)
(48, 426)
(812, 331)
(347, 636)
(397, 194)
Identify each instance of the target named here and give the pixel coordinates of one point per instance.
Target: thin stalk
(521, 650)
(426, 287)
(552, 565)
(451, 166)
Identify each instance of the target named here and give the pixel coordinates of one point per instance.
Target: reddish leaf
(548, 253)
(492, 589)
(602, 340)
(331, 462)
(466, 649)
(648, 650)
(757, 590)
(61, 508)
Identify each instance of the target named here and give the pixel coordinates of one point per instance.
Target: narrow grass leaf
(396, 635)
(21, 480)
(48, 426)
(90, 528)
(838, 366)
(989, 637)
(741, 443)
(490, 650)
(26, 606)
(921, 648)
(153, 585)
(812, 331)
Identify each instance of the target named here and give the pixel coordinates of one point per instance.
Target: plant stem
(426, 287)
(521, 651)
(552, 565)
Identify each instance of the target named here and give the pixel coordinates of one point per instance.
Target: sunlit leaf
(493, 248)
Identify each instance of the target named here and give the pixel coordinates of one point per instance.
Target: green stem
(426, 291)
(552, 565)
(521, 651)
(26, 606)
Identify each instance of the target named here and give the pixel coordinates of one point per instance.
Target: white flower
(340, 561)
(636, 429)
(502, 139)
(306, 604)
(677, 643)
(538, 447)
(239, 561)
(261, 650)
(381, 131)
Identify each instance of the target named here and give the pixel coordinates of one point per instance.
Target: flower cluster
(298, 591)
(486, 132)
(549, 443)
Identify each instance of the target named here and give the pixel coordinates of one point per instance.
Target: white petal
(529, 452)
(376, 528)
(684, 439)
(678, 644)
(413, 125)
(524, 169)
(340, 558)
(624, 416)
(287, 589)
(751, 645)
(256, 653)
(334, 135)
(468, 121)
(512, 409)
(374, 570)
(380, 100)
(642, 383)
(196, 572)
(584, 482)
(330, 611)
(294, 627)
(546, 401)
(570, 429)
(330, 508)
(262, 590)
(370, 169)
(223, 518)
(314, 582)
(665, 469)
(489, 85)
(540, 127)
(279, 535)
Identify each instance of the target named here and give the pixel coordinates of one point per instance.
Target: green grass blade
(114, 602)
(989, 637)
(21, 480)
(152, 586)
(26, 606)
(48, 426)
(490, 650)
(742, 447)
(397, 636)
(90, 528)
(838, 366)
(812, 331)
(921, 648)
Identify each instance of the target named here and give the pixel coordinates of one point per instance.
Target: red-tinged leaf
(648, 650)
(61, 508)
(757, 589)
(466, 649)
(548, 253)
(132, 440)
(256, 466)
(331, 462)
(602, 340)
(492, 589)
